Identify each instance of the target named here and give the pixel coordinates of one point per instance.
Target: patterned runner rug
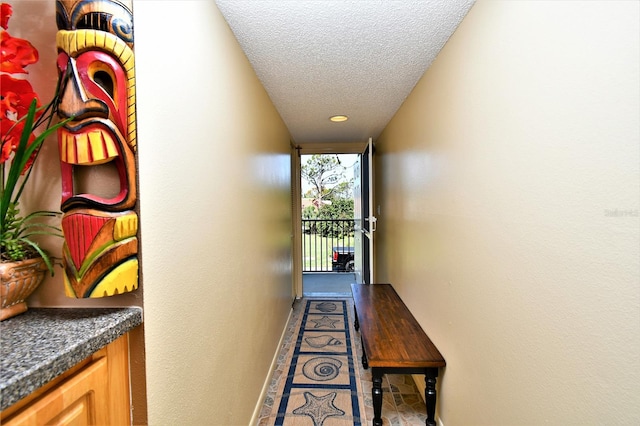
(322, 384)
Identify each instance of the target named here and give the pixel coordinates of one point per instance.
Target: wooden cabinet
(94, 392)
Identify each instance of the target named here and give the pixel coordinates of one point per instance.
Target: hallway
(508, 196)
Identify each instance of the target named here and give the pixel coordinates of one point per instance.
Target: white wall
(509, 189)
(215, 217)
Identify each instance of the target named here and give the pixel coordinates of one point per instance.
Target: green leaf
(42, 253)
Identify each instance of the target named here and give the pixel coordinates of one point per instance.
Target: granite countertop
(42, 343)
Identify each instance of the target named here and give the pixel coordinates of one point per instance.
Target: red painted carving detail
(80, 230)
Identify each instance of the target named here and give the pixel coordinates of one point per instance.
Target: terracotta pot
(17, 281)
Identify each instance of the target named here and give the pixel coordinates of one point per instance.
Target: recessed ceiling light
(338, 118)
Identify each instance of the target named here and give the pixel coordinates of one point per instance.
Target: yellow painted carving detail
(67, 148)
(80, 39)
(128, 64)
(77, 41)
(64, 146)
(125, 57)
(82, 149)
(101, 40)
(97, 145)
(122, 279)
(109, 42)
(62, 39)
(112, 151)
(69, 39)
(132, 125)
(125, 227)
(89, 39)
(119, 48)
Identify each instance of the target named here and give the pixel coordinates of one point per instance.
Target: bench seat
(393, 343)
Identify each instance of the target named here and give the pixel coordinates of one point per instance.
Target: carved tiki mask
(98, 147)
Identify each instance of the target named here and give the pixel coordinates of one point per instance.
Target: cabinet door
(119, 397)
(81, 400)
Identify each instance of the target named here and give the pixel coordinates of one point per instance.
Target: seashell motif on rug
(321, 384)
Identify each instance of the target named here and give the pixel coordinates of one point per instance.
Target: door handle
(372, 221)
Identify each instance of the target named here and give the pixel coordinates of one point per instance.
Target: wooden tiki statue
(96, 66)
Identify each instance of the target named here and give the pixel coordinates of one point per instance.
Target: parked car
(342, 259)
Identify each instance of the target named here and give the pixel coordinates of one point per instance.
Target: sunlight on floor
(327, 284)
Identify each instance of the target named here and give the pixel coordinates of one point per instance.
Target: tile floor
(327, 284)
(402, 402)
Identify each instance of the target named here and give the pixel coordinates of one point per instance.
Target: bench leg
(430, 395)
(356, 324)
(365, 363)
(377, 398)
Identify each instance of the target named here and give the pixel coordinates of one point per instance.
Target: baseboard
(274, 362)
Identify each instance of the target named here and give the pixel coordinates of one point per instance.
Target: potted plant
(24, 126)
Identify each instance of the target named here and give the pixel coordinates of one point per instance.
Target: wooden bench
(393, 343)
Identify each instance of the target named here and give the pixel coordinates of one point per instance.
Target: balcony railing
(319, 237)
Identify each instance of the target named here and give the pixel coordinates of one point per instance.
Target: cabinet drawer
(80, 400)
(94, 392)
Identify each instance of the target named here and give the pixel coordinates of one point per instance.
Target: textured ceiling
(319, 58)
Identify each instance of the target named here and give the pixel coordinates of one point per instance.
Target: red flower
(16, 54)
(15, 94)
(5, 13)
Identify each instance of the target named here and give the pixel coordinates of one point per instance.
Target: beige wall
(215, 212)
(508, 185)
(216, 219)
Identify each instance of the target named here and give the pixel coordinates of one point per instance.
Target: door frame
(365, 220)
(297, 150)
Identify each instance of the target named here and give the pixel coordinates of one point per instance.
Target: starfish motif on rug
(319, 407)
(325, 321)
